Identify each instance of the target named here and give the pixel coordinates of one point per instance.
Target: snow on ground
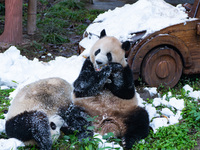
(151, 15)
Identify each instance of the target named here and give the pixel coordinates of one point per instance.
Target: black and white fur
(37, 113)
(105, 88)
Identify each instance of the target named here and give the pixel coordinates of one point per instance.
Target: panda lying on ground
(105, 88)
(40, 109)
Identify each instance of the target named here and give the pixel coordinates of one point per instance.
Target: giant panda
(40, 110)
(105, 89)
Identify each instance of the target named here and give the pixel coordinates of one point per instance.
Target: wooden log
(32, 12)
(195, 11)
(13, 22)
(198, 28)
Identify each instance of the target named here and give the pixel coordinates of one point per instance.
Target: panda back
(46, 95)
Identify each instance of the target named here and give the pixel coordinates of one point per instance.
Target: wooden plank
(195, 11)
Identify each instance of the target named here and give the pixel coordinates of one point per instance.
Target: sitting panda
(40, 110)
(105, 89)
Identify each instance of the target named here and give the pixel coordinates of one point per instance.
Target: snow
(10, 144)
(176, 103)
(158, 122)
(167, 112)
(193, 94)
(152, 90)
(2, 125)
(104, 143)
(151, 15)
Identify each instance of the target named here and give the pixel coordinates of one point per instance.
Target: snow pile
(17, 69)
(149, 15)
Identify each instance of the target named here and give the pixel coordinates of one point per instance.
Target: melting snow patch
(178, 104)
(151, 111)
(104, 143)
(193, 94)
(167, 112)
(2, 125)
(10, 144)
(158, 122)
(152, 91)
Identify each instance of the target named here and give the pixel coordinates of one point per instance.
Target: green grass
(4, 101)
(182, 135)
(65, 15)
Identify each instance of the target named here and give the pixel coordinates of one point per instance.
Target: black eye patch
(53, 126)
(109, 55)
(97, 52)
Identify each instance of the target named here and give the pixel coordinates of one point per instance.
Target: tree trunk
(32, 10)
(13, 22)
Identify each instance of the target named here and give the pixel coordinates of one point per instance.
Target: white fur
(59, 123)
(108, 44)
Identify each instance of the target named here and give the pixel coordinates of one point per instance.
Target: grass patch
(4, 101)
(182, 135)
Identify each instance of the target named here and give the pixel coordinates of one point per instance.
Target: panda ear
(126, 45)
(103, 33)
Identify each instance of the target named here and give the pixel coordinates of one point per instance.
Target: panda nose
(99, 62)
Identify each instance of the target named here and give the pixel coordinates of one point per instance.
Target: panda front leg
(89, 81)
(30, 126)
(76, 119)
(122, 84)
(137, 123)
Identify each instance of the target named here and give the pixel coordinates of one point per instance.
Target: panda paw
(127, 143)
(104, 73)
(116, 67)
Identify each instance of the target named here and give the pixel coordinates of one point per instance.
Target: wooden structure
(13, 22)
(32, 12)
(162, 57)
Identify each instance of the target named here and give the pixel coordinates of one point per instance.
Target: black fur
(122, 84)
(53, 125)
(89, 81)
(97, 52)
(109, 56)
(126, 45)
(76, 120)
(137, 127)
(103, 33)
(30, 125)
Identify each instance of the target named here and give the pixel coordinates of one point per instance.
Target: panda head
(55, 122)
(108, 49)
